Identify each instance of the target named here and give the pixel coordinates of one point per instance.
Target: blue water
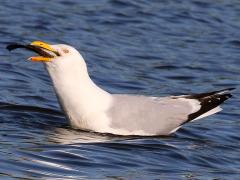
(155, 48)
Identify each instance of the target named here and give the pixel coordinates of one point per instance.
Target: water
(140, 47)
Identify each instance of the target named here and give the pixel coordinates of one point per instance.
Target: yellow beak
(42, 45)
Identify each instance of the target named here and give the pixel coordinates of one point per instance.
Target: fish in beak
(46, 51)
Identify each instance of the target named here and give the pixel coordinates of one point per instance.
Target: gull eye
(65, 51)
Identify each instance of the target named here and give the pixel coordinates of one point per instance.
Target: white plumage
(91, 108)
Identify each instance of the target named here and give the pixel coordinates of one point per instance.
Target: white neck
(81, 99)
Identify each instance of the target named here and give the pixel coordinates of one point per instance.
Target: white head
(63, 62)
(66, 56)
(55, 54)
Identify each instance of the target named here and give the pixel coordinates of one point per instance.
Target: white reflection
(70, 136)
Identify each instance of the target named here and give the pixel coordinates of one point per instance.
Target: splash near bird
(88, 107)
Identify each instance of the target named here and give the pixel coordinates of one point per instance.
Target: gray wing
(148, 115)
(141, 115)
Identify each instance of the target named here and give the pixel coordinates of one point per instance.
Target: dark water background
(143, 47)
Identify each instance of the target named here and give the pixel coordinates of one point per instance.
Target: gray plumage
(151, 115)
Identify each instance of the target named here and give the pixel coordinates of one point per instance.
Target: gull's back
(148, 115)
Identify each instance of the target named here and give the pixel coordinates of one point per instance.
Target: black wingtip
(231, 89)
(225, 92)
(209, 101)
(227, 89)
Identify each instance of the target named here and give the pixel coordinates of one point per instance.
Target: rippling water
(142, 47)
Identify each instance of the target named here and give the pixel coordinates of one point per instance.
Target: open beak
(46, 51)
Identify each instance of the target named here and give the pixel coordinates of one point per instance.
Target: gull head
(53, 53)
(58, 56)
(47, 52)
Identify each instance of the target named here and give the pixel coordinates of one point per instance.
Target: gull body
(88, 107)
(84, 103)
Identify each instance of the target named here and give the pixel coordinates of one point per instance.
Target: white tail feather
(212, 111)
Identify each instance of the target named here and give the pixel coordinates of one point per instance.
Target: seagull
(88, 107)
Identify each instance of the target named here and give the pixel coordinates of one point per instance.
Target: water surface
(152, 47)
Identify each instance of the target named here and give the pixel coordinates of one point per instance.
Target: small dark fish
(33, 48)
(13, 46)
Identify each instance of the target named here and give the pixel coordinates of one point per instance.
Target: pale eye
(65, 51)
